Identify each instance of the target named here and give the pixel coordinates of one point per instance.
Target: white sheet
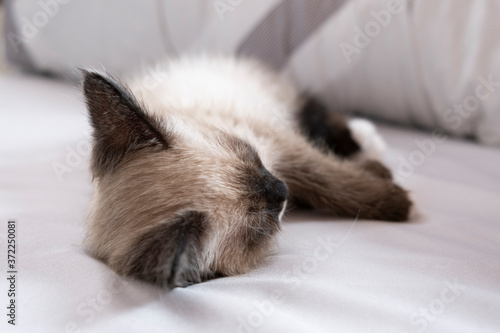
(375, 277)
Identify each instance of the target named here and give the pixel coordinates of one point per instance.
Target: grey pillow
(422, 63)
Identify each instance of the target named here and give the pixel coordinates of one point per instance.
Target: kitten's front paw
(377, 169)
(366, 135)
(395, 204)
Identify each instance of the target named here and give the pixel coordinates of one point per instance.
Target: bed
(438, 273)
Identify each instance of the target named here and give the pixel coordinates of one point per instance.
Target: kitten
(194, 173)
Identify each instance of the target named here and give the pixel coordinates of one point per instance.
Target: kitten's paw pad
(366, 135)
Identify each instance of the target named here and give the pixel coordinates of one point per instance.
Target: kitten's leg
(326, 130)
(345, 188)
(331, 131)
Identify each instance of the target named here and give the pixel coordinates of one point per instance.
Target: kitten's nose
(276, 193)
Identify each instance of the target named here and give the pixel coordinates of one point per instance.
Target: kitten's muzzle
(276, 194)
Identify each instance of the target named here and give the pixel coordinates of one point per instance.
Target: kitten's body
(190, 183)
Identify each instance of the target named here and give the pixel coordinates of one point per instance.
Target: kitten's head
(177, 201)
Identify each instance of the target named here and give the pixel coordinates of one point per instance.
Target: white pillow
(430, 64)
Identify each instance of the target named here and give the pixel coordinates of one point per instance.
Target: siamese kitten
(194, 172)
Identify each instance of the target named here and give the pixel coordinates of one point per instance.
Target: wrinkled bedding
(438, 273)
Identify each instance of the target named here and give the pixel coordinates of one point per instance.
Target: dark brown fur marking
(167, 255)
(119, 122)
(324, 128)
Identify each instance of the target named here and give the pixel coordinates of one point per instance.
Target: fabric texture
(438, 273)
(422, 63)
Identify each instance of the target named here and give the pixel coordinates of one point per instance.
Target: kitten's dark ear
(119, 122)
(169, 254)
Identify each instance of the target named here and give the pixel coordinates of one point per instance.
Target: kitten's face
(176, 203)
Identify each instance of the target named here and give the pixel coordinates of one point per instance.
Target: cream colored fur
(207, 106)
